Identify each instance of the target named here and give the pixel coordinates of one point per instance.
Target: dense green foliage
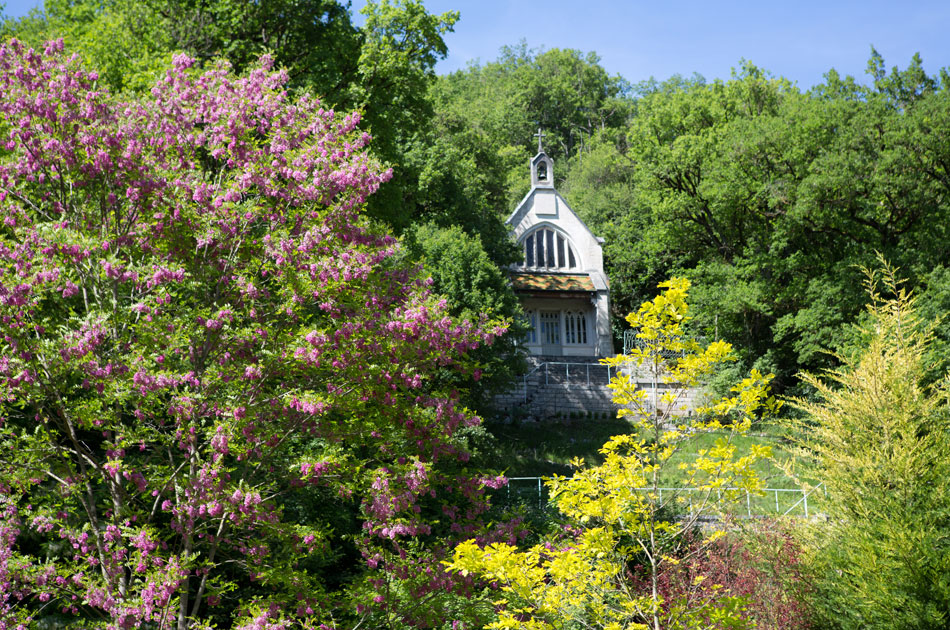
(476, 289)
(880, 438)
(501, 105)
(769, 198)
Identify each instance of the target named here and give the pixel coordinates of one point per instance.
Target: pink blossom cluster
(11, 591)
(189, 300)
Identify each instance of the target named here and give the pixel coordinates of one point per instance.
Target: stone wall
(556, 389)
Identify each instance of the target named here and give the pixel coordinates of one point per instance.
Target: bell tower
(542, 167)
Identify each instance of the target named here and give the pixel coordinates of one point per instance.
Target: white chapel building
(560, 280)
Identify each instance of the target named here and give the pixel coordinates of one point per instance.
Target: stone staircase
(562, 388)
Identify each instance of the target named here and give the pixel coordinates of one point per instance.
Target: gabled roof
(515, 217)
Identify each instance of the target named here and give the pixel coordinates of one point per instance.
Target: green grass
(544, 449)
(767, 470)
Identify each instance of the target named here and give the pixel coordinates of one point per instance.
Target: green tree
(934, 305)
(616, 571)
(564, 91)
(313, 39)
(770, 199)
(879, 437)
(475, 289)
(121, 38)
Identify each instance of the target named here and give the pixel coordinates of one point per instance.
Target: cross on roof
(539, 136)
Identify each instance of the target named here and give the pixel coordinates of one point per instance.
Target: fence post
(545, 373)
(539, 493)
(776, 502)
(806, 503)
(748, 504)
(588, 376)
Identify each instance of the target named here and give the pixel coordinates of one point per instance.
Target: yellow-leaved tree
(878, 434)
(622, 563)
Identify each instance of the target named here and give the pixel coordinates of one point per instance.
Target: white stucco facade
(561, 279)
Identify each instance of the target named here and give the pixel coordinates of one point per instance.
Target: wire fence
(804, 502)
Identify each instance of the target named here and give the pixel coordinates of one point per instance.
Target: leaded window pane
(550, 328)
(532, 335)
(575, 328)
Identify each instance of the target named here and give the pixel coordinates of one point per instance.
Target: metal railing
(804, 498)
(579, 368)
(758, 505)
(630, 341)
(524, 379)
(567, 370)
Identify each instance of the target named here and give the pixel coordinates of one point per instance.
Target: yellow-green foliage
(880, 440)
(623, 516)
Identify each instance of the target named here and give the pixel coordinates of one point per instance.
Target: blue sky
(798, 40)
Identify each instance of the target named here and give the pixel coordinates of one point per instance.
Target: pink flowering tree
(210, 364)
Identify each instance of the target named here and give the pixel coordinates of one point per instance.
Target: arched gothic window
(546, 249)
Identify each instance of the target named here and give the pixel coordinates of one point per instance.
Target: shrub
(879, 438)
